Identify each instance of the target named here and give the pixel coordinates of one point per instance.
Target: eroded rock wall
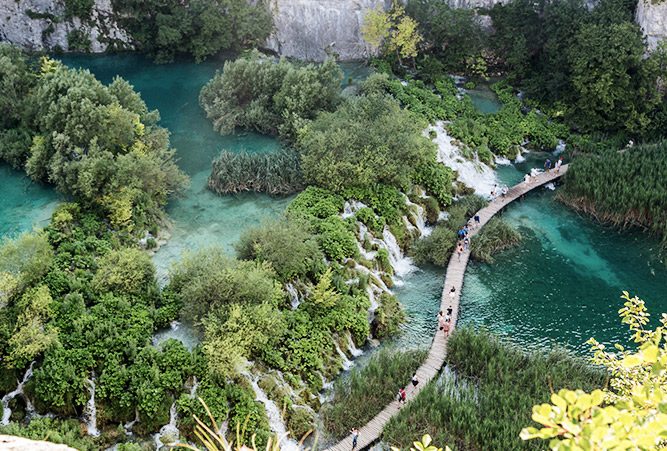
(308, 29)
(42, 25)
(652, 17)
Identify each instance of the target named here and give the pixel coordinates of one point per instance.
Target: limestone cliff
(652, 17)
(307, 29)
(42, 25)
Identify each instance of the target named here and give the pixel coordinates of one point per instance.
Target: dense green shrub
(288, 245)
(366, 391)
(496, 236)
(437, 179)
(435, 248)
(490, 400)
(201, 28)
(388, 317)
(368, 140)
(315, 203)
(79, 8)
(277, 98)
(386, 201)
(67, 432)
(78, 41)
(336, 238)
(272, 173)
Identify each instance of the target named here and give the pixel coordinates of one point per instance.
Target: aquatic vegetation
(364, 392)
(488, 399)
(496, 236)
(275, 173)
(598, 184)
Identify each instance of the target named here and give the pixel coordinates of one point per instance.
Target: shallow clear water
(24, 204)
(484, 99)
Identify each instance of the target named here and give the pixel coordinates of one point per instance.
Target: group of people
(463, 243)
(547, 165)
(445, 320)
(547, 168)
(495, 192)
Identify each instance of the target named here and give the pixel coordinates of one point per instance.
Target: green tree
(376, 28)
(630, 414)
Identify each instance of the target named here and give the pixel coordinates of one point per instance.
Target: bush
(435, 248)
(272, 173)
(388, 317)
(315, 203)
(336, 239)
(496, 236)
(288, 245)
(437, 179)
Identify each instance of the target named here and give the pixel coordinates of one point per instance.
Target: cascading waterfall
(195, 386)
(169, 433)
(351, 207)
(90, 411)
(560, 148)
(402, 265)
(347, 363)
(356, 352)
(6, 411)
(130, 424)
(273, 414)
(293, 295)
(474, 174)
(418, 216)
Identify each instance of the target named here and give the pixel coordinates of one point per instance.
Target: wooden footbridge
(371, 431)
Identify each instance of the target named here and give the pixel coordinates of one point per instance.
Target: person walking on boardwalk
(547, 165)
(452, 292)
(504, 191)
(441, 320)
(477, 221)
(415, 380)
(558, 164)
(446, 327)
(355, 437)
(402, 395)
(466, 243)
(459, 250)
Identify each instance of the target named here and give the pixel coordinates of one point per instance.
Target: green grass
(491, 400)
(366, 391)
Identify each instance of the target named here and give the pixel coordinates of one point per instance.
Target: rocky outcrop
(652, 17)
(42, 25)
(309, 29)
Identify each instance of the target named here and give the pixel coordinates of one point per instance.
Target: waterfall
(474, 174)
(502, 161)
(169, 433)
(195, 385)
(327, 393)
(90, 411)
(402, 265)
(273, 414)
(363, 235)
(351, 346)
(6, 411)
(293, 295)
(560, 148)
(130, 424)
(347, 363)
(351, 207)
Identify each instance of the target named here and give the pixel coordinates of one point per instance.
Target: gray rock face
(307, 29)
(40, 25)
(653, 20)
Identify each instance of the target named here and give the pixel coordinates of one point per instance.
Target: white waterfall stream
(347, 363)
(273, 414)
(351, 346)
(169, 433)
(6, 411)
(90, 411)
(293, 295)
(130, 424)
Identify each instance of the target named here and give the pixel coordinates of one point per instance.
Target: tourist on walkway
(477, 221)
(402, 395)
(441, 320)
(466, 243)
(494, 191)
(558, 164)
(547, 165)
(449, 310)
(504, 191)
(445, 328)
(355, 436)
(415, 380)
(452, 292)
(526, 179)
(459, 250)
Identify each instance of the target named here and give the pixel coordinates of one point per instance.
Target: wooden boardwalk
(371, 431)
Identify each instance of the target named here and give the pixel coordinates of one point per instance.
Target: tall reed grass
(491, 399)
(366, 391)
(496, 236)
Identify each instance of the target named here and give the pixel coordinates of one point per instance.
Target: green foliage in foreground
(66, 432)
(276, 98)
(625, 188)
(631, 414)
(488, 403)
(201, 28)
(366, 391)
(273, 173)
(496, 236)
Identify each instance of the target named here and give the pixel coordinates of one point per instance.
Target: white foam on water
(6, 411)
(90, 410)
(474, 174)
(130, 424)
(347, 363)
(351, 207)
(351, 347)
(402, 265)
(502, 161)
(560, 148)
(276, 422)
(169, 433)
(293, 295)
(550, 186)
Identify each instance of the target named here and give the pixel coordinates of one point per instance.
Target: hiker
(558, 164)
(459, 250)
(445, 328)
(461, 233)
(441, 320)
(449, 310)
(355, 436)
(452, 292)
(526, 179)
(466, 243)
(504, 191)
(494, 191)
(402, 395)
(547, 165)
(415, 381)
(477, 221)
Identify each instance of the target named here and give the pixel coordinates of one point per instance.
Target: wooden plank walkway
(371, 431)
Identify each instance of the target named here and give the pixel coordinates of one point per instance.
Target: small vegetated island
(280, 319)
